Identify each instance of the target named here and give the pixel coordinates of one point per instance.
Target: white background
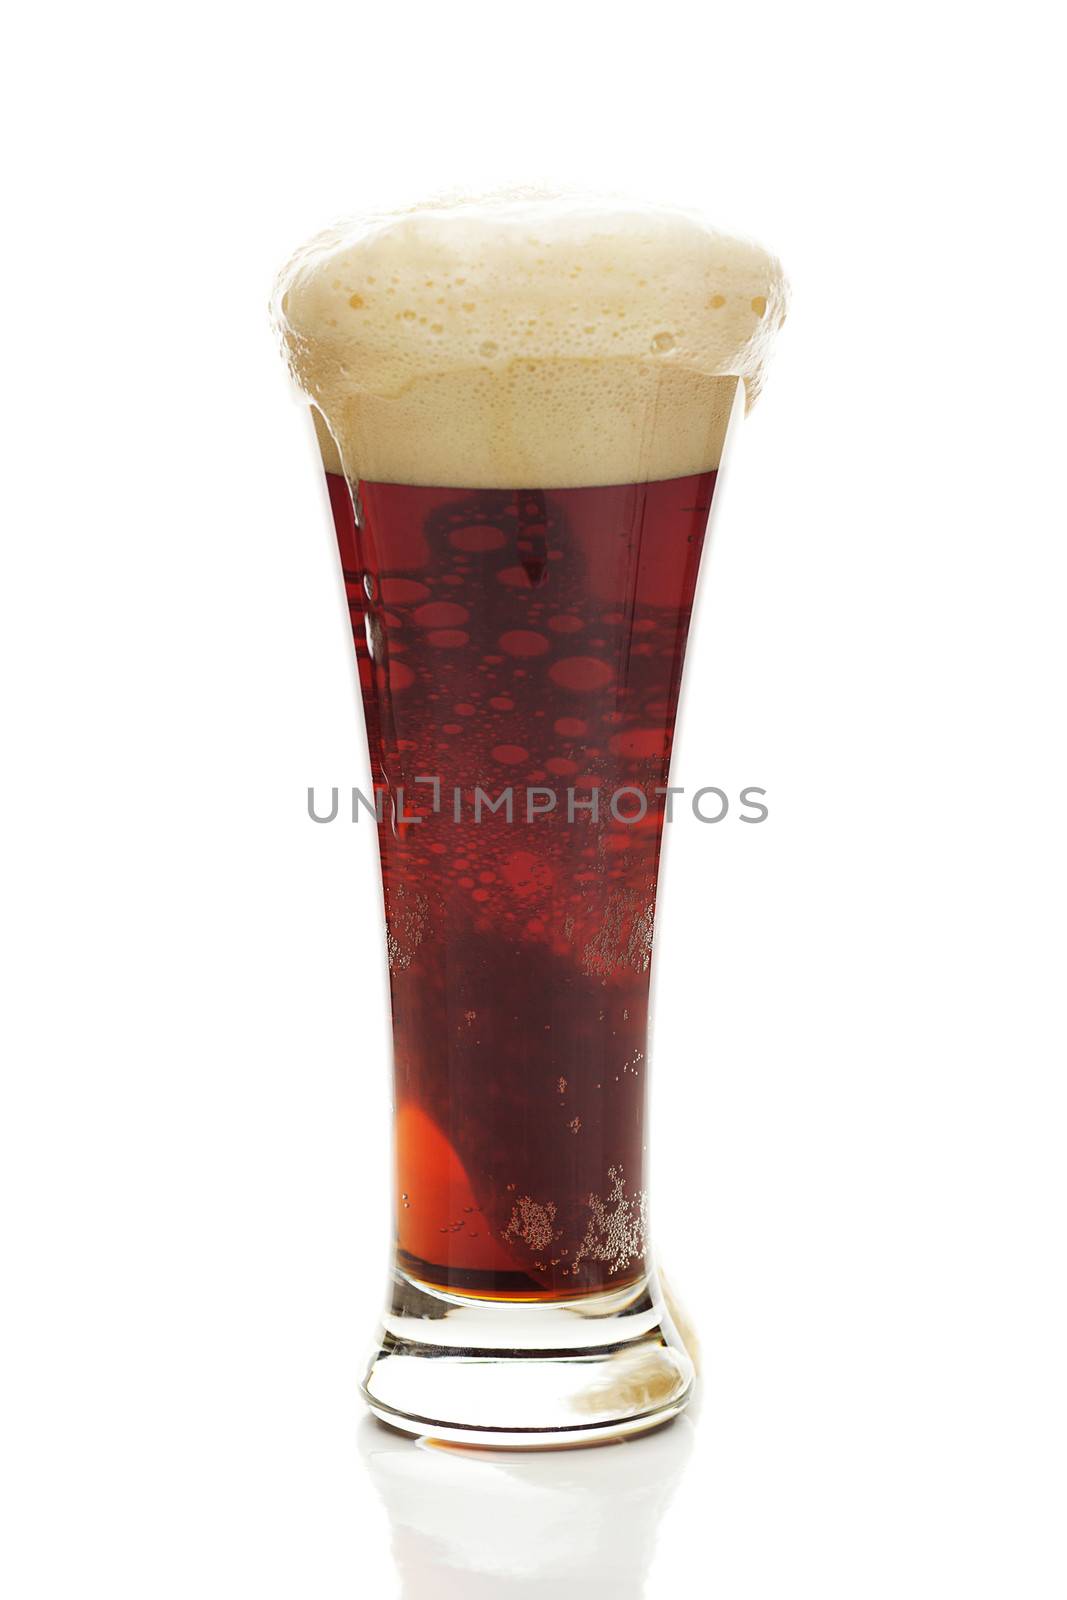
(859, 1100)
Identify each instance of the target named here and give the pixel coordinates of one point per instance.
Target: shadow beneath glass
(500, 1525)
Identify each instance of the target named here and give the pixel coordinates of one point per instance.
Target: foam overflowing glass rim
(513, 339)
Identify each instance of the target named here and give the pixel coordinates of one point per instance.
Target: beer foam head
(527, 341)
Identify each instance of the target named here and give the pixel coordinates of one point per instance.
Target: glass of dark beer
(522, 406)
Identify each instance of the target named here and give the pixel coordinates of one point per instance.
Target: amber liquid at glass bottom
(530, 639)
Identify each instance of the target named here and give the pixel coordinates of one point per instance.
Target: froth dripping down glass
(522, 407)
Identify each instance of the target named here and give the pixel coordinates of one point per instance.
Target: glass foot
(527, 1374)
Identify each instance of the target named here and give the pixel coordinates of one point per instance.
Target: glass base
(522, 1375)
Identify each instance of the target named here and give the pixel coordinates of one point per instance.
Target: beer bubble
(580, 673)
(523, 642)
(399, 676)
(440, 614)
(402, 591)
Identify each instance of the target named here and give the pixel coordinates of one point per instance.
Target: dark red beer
(531, 640)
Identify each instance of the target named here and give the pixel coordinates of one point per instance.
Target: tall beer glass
(522, 406)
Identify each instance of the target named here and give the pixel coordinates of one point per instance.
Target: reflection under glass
(560, 1523)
